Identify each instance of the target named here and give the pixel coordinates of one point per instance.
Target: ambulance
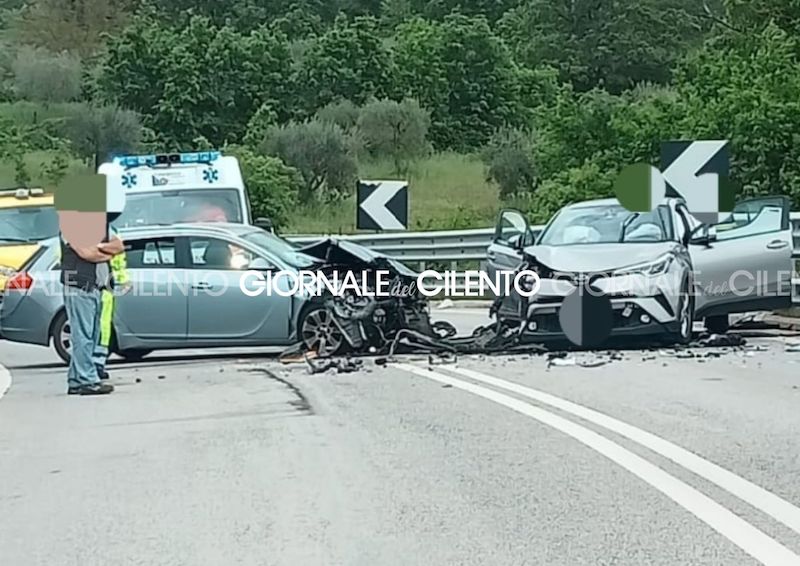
(27, 217)
(173, 188)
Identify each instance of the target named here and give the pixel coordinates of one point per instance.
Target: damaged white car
(661, 270)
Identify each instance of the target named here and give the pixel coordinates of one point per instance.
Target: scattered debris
(444, 358)
(793, 348)
(446, 304)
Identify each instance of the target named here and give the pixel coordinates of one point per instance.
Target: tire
(316, 328)
(719, 324)
(134, 355)
(60, 334)
(683, 335)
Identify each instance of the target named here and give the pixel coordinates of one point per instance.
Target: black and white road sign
(382, 205)
(684, 163)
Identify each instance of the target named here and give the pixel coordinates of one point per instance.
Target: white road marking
(751, 540)
(5, 380)
(763, 500)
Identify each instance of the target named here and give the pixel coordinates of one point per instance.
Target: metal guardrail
(455, 247)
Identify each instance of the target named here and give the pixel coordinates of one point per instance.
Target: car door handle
(778, 245)
(202, 285)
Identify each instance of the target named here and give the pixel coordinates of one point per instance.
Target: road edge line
(756, 496)
(5, 380)
(744, 535)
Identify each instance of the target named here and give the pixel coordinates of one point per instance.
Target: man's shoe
(93, 389)
(103, 374)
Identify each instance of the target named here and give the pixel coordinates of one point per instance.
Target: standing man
(119, 283)
(84, 272)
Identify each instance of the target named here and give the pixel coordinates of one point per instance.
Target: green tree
(273, 187)
(509, 162)
(349, 61)
(320, 152)
(343, 113)
(97, 132)
(197, 81)
(743, 87)
(612, 45)
(46, 77)
(460, 71)
(395, 129)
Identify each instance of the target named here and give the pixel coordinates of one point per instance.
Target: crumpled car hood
(334, 251)
(588, 258)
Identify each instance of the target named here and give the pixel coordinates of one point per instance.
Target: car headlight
(7, 271)
(658, 266)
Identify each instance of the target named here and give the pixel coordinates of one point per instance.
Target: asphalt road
(231, 458)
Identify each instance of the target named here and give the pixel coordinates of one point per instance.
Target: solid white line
(5, 380)
(767, 502)
(751, 540)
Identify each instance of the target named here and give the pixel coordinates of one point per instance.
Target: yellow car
(27, 216)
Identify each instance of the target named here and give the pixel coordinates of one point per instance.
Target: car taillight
(21, 281)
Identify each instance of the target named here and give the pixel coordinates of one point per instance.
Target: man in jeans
(84, 273)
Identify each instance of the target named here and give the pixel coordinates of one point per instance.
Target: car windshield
(174, 207)
(280, 248)
(28, 223)
(607, 224)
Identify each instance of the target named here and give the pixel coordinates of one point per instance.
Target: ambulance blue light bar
(129, 161)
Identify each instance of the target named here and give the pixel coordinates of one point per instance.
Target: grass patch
(447, 192)
(34, 162)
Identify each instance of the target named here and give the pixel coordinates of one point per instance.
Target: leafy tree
(46, 77)
(509, 162)
(462, 73)
(395, 129)
(196, 81)
(743, 87)
(343, 113)
(320, 151)
(273, 187)
(98, 132)
(349, 61)
(612, 45)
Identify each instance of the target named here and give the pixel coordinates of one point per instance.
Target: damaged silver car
(661, 270)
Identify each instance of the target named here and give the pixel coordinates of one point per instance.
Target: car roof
(9, 200)
(205, 228)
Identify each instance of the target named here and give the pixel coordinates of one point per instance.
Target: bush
(46, 77)
(509, 162)
(343, 113)
(272, 186)
(395, 130)
(320, 152)
(97, 132)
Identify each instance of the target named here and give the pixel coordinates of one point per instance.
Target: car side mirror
(264, 224)
(515, 242)
(259, 264)
(703, 235)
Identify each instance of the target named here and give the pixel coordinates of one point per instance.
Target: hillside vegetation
(477, 103)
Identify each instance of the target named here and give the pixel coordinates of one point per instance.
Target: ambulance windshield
(177, 206)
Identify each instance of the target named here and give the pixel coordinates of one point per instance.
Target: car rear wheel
(319, 332)
(61, 336)
(718, 324)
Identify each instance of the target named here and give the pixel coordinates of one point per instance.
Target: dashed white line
(763, 500)
(751, 540)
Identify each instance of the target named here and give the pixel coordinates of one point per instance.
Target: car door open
(512, 234)
(744, 263)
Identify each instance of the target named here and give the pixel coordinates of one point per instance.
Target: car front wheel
(685, 317)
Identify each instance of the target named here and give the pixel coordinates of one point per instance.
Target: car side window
(217, 254)
(151, 253)
(751, 219)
